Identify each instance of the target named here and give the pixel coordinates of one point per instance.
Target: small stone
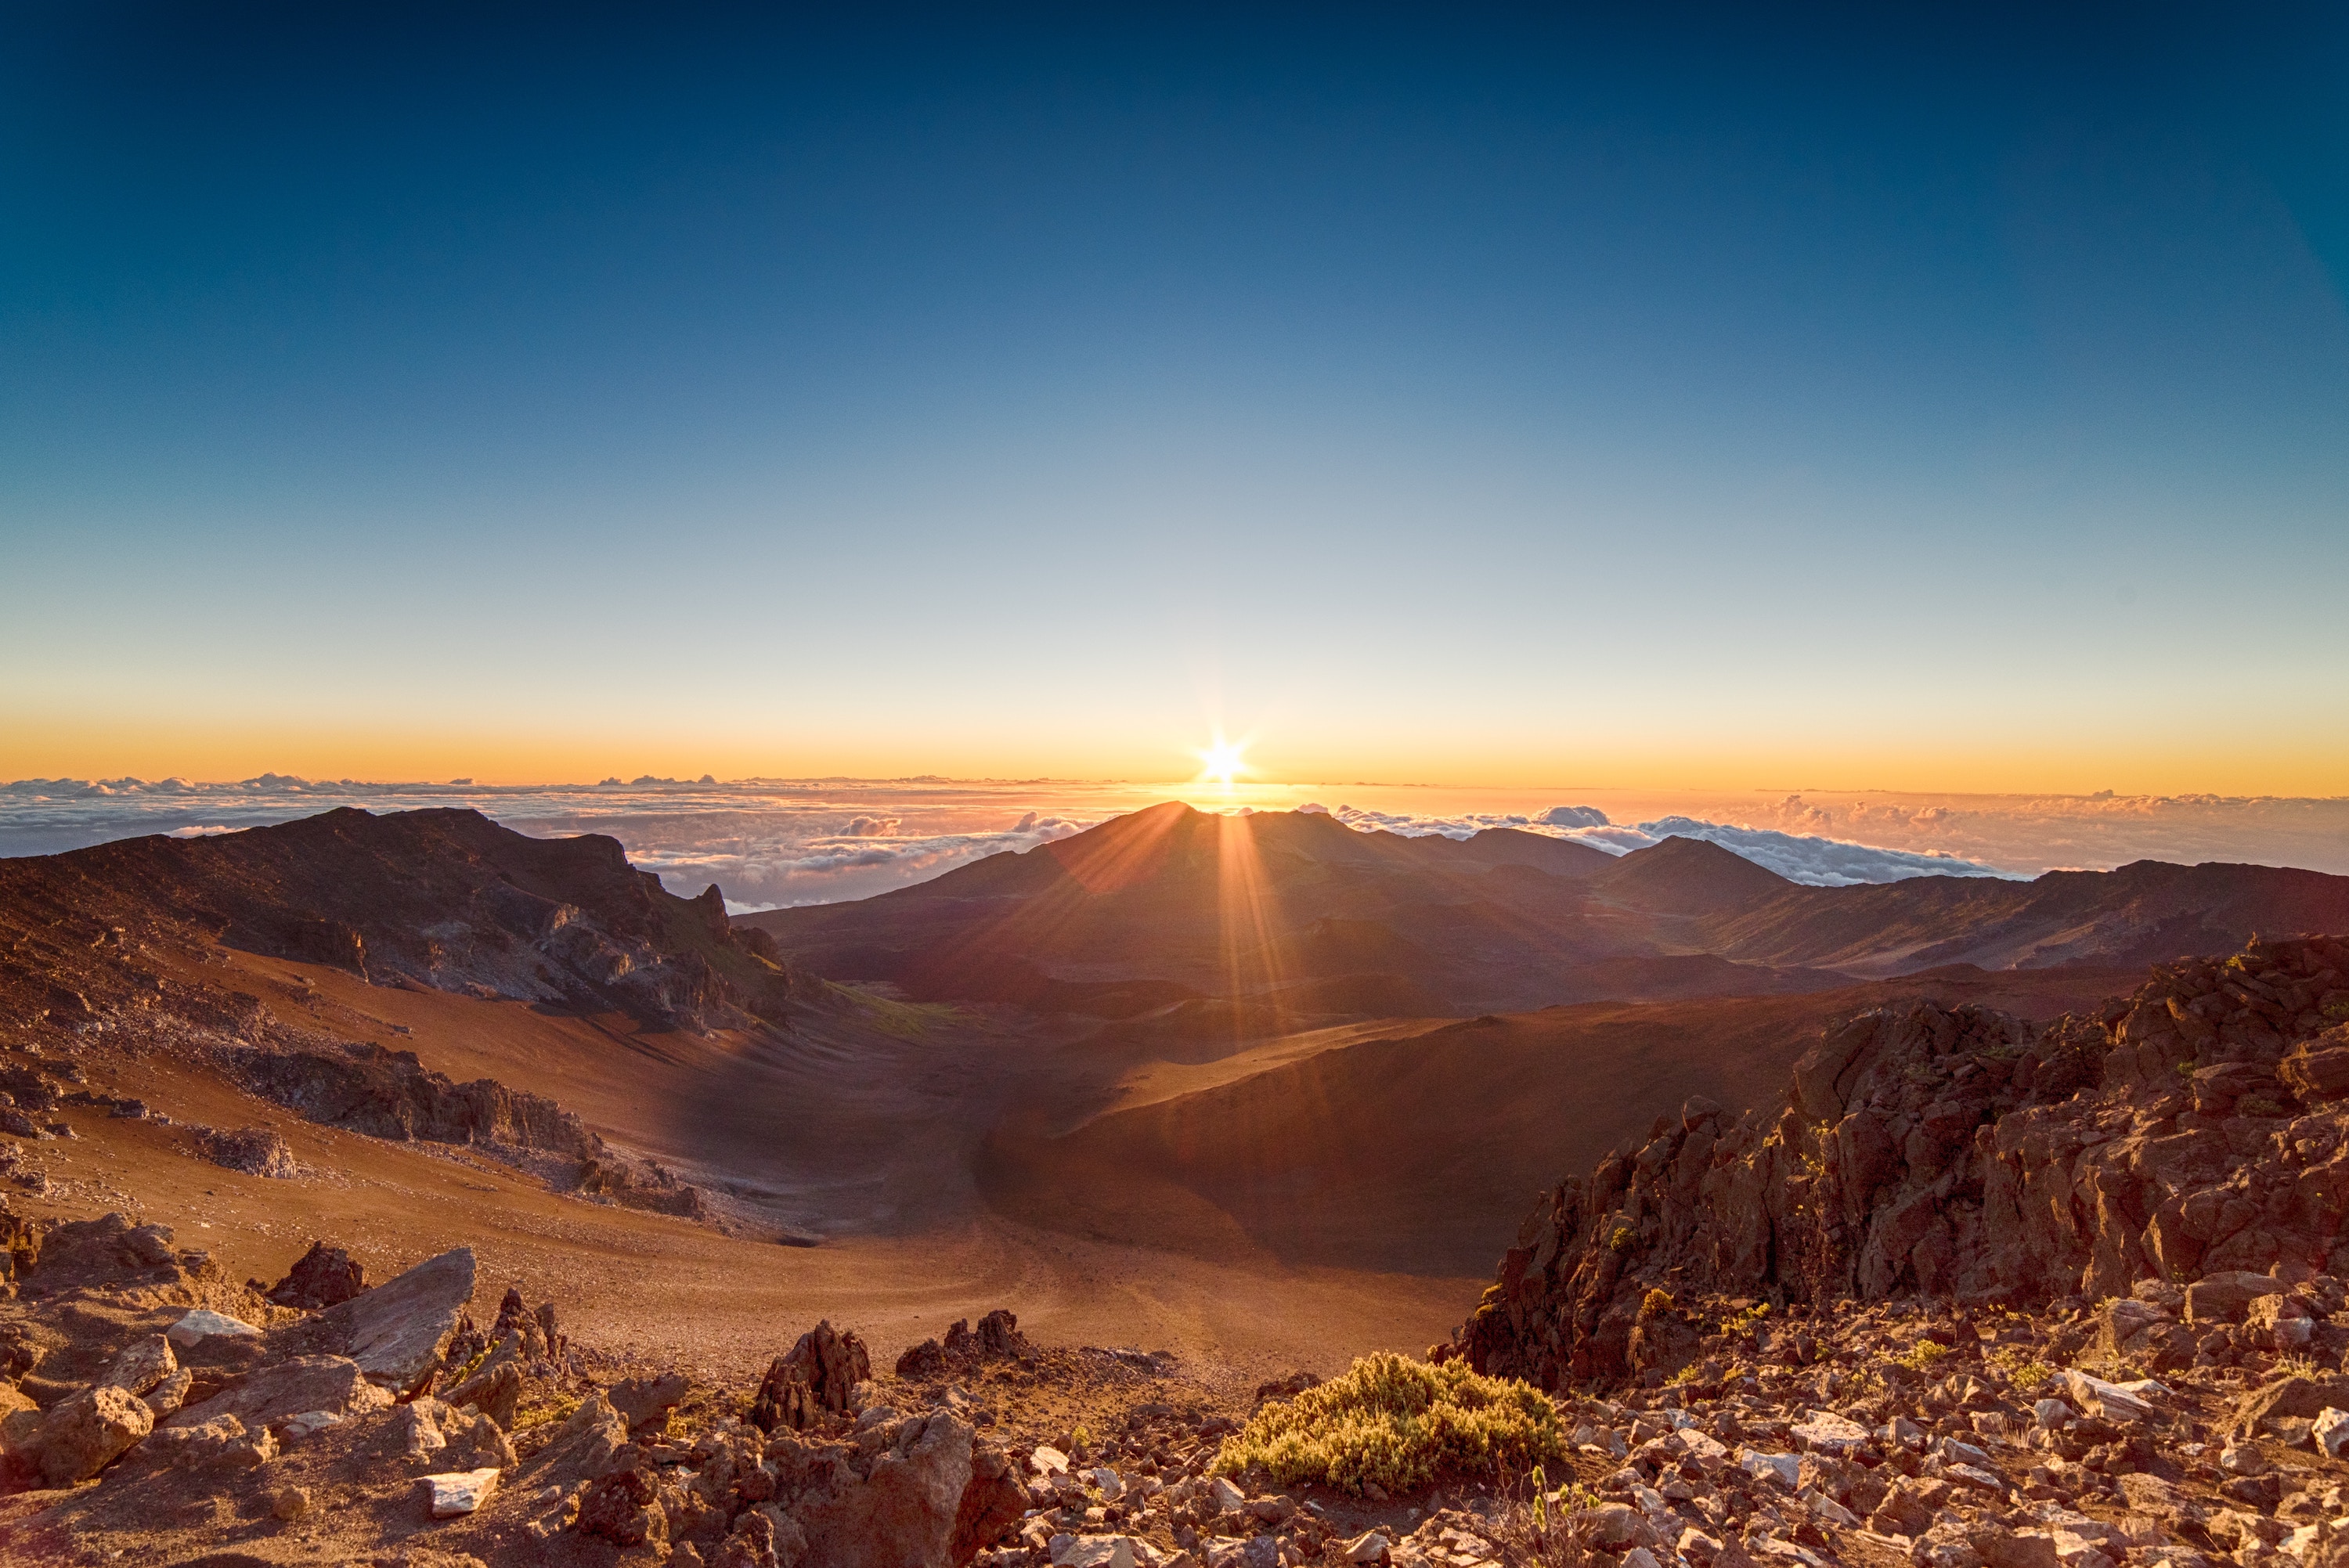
(308, 1424)
(1048, 1461)
(1825, 1432)
(204, 1323)
(1371, 1546)
(1226, 1496)
(461, 1491)
(1092, 1551)
(140, 1365)
(290, 1503)
(1784, 1468)
(2330, 1430)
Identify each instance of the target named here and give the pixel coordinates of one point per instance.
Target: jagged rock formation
(2198, 1128)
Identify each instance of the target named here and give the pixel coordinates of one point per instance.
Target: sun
(1223, 761)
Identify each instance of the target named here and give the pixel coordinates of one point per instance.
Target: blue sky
(1477, 397)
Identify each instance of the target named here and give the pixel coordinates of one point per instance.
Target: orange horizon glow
(1303, 756)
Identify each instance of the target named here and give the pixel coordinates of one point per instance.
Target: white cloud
(785, 841)
(1803, 858)
(1821, 861)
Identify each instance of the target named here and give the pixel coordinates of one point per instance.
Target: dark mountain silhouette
(1276, 907)
(1295, 915)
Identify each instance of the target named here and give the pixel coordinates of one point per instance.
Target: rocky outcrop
(998, 1338)
(323, 1276)
(816, 1377)
(390, 1094)
(399, 1332)
(2200, 1128)
(253, 1150)
(384, 1093)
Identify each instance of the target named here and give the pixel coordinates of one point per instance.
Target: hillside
(1409, 1146)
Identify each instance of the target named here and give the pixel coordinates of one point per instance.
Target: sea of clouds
(1798, 857)
(774, 843)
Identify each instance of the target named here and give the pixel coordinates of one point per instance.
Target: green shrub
(1401, 1424)
(1920, 1357)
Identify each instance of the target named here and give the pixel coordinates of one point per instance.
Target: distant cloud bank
(770, 843)
(1803, 858)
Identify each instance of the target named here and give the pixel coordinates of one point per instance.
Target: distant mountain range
(1280, 917)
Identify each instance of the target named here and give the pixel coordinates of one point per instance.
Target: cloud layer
(1803, 858)
(769, 842)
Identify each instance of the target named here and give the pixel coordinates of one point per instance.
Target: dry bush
(1400, 1424)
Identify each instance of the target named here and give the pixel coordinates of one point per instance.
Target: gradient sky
(1953, 401)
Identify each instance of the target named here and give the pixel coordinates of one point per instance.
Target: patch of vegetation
(1401, 1424)
(1656, 1301)
(2022, 1369)
(558, 1408)
(2337, 1012)
(1921, 1356)
(1624, 1239)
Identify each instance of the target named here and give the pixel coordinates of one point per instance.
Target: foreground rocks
(2197, 1131)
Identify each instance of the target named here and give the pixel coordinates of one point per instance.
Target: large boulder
(399, 1331)
(335, 1385)
(901, 1511)
(83, 1434)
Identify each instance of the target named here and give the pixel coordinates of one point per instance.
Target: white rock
(1787, 1470)
(1974, 1475)
(1825, 1432)
(461, 1491)
(1048, 1461)
(1106, 1478)
(1963, 1453)
(203, 1324)
(1703, 1447)
(1094, 1551)
(2051, 1413)
(1371, 1546)
(308, 1424)
(1225, 1495)
(1834, 1512)
(1637, 1557)
(2330, 1430)
(2111, 1400)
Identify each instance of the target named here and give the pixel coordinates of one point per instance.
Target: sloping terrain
(2146, 912)
(1407, 1146)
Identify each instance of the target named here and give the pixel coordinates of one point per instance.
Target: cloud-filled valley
(770, 843)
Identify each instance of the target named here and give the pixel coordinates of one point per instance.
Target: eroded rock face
(894, 1508)
(83, 1434)
(814, 1377)
(399, 1332)
(2198, 1129)
(334, 1384)
(323, 1277)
